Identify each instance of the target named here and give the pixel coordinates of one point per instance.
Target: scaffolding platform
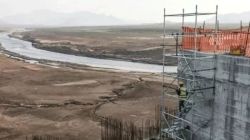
(180, 125)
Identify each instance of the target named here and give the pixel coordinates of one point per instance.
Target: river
(26, 49)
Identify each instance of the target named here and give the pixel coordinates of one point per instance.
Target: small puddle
(77, 83)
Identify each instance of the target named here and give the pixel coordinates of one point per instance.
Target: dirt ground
(133, 43)
(44, 100)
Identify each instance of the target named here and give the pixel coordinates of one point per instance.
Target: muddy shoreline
(153, 56)
(26, 59)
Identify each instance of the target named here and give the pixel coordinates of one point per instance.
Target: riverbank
(44, 97)
(60, 101)
(25, 49)
(119, 43)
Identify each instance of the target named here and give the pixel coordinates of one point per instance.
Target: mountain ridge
(50, 18)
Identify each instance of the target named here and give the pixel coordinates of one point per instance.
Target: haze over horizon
(117, 11)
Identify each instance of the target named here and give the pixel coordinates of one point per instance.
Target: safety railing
(226, 41)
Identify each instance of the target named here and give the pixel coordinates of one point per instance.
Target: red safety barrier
(222, 42)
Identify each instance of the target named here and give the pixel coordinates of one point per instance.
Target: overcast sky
(129, 10)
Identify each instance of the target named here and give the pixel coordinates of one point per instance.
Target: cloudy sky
(129, 10)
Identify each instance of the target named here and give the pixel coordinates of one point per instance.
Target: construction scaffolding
(189, 122)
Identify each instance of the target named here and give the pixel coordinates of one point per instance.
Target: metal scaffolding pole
(215, 45)
(174, 128)
(162, 102)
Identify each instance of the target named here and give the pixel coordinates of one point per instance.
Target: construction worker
(182, 93)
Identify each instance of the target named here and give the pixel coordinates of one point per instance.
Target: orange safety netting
(224, 42)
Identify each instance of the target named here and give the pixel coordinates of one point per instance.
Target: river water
(25, 48)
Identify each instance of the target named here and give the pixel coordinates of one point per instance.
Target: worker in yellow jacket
(182, 93)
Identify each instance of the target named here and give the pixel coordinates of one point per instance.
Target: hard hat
(181, 83)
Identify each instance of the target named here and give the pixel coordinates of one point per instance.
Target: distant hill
(233, 18)
(49, 18)
(2, 23)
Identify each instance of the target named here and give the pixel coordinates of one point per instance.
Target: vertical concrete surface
(222, 113)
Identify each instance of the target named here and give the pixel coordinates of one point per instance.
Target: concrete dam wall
(221, 110)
